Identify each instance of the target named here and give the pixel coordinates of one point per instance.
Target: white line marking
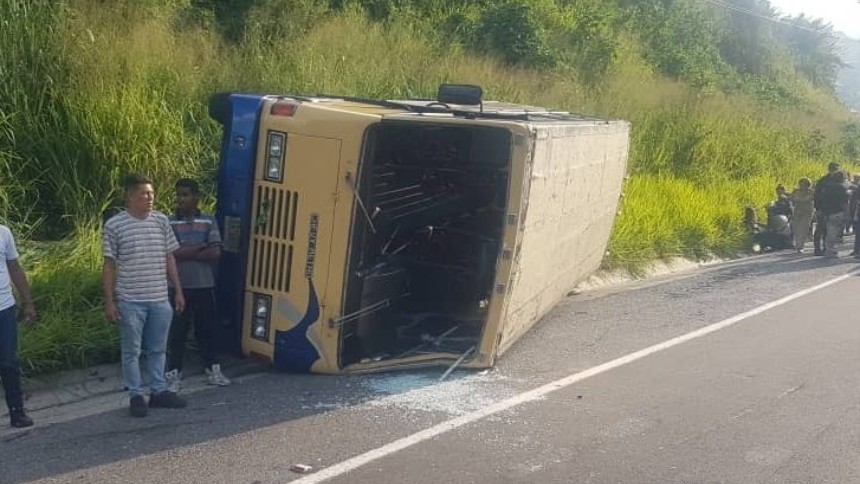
(540, 392)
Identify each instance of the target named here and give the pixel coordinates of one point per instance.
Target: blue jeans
(10, 374)
(146, 324)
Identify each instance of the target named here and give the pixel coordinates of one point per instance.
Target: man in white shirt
(11, 273)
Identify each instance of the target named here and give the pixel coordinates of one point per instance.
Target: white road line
(540, 392)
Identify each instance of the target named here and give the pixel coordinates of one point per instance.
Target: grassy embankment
(93, 90)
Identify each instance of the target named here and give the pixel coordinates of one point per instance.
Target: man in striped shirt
(138, 247)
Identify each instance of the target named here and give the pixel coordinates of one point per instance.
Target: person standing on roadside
(138, 247)
(850, 187)
(833, 202)
(804, 209)
(854, 214)
(820, 220)
(11, 273)
(200, 249)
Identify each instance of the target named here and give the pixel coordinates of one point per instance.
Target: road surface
(744, 372)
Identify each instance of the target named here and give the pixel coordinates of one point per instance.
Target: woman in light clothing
(804, 209)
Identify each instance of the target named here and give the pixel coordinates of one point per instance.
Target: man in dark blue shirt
(820, 221)
(199, 251)
(833, 200)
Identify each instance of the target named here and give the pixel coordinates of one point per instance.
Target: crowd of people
(824, 211)
(158, 281)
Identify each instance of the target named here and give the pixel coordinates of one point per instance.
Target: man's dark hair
(190, 184)
(134, 180)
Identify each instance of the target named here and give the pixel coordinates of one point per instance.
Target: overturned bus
(363, 235)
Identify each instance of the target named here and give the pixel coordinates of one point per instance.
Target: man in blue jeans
(138, 247)
(11, 273)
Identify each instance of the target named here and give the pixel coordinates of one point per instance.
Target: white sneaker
(216, 377)
(174, 380)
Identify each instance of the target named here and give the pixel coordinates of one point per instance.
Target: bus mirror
(464, 94)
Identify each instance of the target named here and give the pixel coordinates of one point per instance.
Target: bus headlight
(261, 317)
(275, 148)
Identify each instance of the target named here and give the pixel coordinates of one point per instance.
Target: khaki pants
(800, 225)
(833, 237)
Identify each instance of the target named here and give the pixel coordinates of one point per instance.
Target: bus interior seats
(426, 242)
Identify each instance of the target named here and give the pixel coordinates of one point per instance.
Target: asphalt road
(771, 395)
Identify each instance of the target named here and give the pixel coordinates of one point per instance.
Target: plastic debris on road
(301, 468)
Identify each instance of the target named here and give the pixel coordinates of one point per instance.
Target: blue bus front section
(240, 116)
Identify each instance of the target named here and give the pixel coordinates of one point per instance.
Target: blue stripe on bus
(294, 351)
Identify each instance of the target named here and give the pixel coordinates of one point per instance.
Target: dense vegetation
(724, 103)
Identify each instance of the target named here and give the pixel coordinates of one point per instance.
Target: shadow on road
(782, 262)
(269, 400)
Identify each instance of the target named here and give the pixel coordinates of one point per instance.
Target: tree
(814, 49)
(682, 39)
(749, 43)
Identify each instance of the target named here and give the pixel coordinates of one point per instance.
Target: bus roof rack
(460, 100)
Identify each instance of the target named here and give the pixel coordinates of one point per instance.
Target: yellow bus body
(561, 177)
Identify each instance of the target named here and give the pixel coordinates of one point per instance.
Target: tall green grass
(71, 331)
(90, 90)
